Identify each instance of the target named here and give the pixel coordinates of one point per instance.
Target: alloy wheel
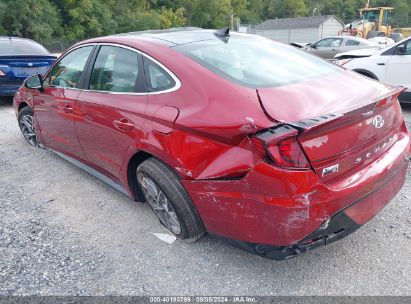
(160, 204)
(27, 127)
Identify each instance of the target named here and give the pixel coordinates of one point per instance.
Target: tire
(27, 126)
(396, 37)
(374, 34)
(152, 173)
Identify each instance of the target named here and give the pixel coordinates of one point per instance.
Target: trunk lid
(342, 127)
(342, 143)
(339, 92)
(20, 67)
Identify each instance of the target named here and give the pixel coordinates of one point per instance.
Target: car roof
(14, 38)
(174, 36)
(347, 37)
(359, 39)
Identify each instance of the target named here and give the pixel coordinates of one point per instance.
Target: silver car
(327, 48)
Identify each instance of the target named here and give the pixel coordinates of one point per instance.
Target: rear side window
(352, 42)
(67, 72)
(21, 47)
(157, 78)
(117, 70)
(256, 62)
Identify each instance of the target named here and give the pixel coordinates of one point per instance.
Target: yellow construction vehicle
(375, 22)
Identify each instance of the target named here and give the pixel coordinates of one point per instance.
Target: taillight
(389, 99)
(342, 62)
(288, 153)
(283, 148)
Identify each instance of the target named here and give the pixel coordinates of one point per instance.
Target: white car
(391, 65)
(385, 41)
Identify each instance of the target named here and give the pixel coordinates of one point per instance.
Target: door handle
(68, 109)
(123, 124)
(381, 63)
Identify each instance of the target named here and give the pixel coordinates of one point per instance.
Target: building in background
(299, 30)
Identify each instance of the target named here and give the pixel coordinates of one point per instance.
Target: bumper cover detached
(337, 227)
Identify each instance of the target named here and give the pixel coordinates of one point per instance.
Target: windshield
(255, 61)
(21, 47)
(371, 16)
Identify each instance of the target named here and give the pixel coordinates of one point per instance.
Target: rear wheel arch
(133, 163)
(366, 73)
(138, 158)
(26, 123)
(163, 178)
(22, 105)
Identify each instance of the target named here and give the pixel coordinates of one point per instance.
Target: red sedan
(271, 148)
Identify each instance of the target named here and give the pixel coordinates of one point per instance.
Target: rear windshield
(254, 61)
(21, 47)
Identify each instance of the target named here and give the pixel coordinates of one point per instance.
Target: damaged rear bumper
(335, 228)
(339, 226)
(279, 214)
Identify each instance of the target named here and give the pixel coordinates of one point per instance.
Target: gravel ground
(63, 232)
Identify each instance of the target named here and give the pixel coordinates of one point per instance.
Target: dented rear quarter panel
(281, 207)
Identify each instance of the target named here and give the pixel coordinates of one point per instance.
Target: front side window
(385, 18)
(116, 70)
(329, 42)
(67, 72)
(352, 42)
(157, 78)
(371, 16)
(255, 62)
(408, 48)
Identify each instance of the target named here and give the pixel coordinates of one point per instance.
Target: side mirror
(401, 50)
(313, 46)
(34, 82)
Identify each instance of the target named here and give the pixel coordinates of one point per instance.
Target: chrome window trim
(171, 74)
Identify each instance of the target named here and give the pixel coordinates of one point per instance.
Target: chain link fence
(57, 45)
(401, 21)
(288, 34)
(284, 35)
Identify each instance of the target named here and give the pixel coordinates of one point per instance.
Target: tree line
(74, 20)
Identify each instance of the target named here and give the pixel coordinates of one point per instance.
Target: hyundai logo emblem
(30, 64)
(378, 121)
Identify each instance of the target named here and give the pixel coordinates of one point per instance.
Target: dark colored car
(230, 134)
(20, 58)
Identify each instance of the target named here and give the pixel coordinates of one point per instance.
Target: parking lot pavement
(63, 232)
(407, 114)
